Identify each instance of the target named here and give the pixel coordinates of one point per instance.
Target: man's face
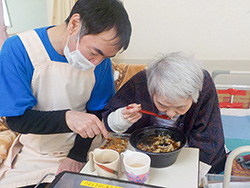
(96, 47)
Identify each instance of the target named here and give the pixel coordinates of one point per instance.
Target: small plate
(116, 141)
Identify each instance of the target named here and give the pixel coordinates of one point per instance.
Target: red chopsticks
(163, 116)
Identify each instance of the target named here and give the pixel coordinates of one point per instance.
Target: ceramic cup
(105, 162)
(136, 166)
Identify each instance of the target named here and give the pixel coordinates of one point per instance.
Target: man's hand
(132, 113)
(85, 124)
(70, 165)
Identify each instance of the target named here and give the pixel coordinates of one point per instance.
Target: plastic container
(216, 181)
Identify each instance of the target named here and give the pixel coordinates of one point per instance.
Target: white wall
(211, 29)
(217, 32)
(26, 14)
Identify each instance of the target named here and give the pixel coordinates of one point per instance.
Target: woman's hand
(132, 112)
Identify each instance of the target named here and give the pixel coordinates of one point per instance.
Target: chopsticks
(163, 116)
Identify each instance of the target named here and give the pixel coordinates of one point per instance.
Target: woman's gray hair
(175, 76)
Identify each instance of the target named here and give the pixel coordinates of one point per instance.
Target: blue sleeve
(15, 79)
(104, 88)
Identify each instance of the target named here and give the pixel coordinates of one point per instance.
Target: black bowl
(159, 160)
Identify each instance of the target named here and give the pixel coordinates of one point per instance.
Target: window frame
(6, 16)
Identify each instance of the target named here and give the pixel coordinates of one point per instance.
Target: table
(183, 173)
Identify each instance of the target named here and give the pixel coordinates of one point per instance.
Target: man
(53, 80)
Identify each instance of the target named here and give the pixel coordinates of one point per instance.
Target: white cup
(136, 166)
(105, 162)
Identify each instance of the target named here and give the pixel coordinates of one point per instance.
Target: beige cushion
(6, 138)
(123, 72)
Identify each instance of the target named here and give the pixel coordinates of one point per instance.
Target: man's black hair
(102, 15)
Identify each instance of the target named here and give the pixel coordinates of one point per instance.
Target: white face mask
(76, 59)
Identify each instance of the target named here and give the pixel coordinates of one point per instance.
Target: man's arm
(77, 156)
(62, 121)
(81, 146)
(39, 122)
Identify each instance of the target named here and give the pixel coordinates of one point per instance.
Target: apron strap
(34, 47)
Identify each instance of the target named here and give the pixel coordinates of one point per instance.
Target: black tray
(78, 180)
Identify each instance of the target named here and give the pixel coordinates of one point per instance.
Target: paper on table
(204, 168)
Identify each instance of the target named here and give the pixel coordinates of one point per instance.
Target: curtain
(3, 28)
(59, 10)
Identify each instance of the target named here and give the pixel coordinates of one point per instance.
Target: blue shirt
(16, 71)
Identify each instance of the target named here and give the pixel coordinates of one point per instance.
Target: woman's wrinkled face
(172, 109)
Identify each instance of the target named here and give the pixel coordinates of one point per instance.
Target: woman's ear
(74, 24)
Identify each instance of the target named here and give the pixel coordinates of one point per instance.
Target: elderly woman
(177, 86)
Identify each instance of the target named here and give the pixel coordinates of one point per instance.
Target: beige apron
(56, 86)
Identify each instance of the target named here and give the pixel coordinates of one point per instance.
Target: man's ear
(74, 24)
